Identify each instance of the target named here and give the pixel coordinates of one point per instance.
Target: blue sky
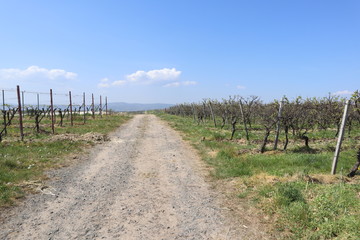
(181, 51)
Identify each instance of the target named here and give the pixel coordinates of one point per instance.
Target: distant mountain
(129, 107)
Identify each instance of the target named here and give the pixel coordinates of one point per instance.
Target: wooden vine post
(194, 111)
(84, 108)
(212, 113)
(244, 121)
(106, 108)
(92, 105)
(38, 101)
(4, 112)
(278, 124)
(20, 114)
(23, 103)
(71, 113)
(3, 98)
(340, 138)
(100, 106)
(52, 112)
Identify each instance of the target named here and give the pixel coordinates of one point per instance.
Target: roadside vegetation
(22, 163)
(292, 184)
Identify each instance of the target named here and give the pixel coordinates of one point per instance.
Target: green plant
(288, 193)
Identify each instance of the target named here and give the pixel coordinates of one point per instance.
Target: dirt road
(146, 183)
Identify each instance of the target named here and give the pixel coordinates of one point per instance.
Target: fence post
(193, 110)
(22, 101)
(38, 101)
(244, 121)
(84, 107)
(278, 124)
(71, 115)
(3, 98)
(4, 112)
(340, 138)
(212, 113)
(20, 114)
(204, 111)
(92, 106)
(52, 111)
(106, 108)
(100, 109)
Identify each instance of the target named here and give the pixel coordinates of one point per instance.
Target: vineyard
(307, 120)
(39, 130)
(280, 155)
(47, 112)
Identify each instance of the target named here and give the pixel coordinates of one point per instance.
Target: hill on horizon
(129, 107)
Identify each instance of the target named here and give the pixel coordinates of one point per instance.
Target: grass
(22, 161)
(293, 188)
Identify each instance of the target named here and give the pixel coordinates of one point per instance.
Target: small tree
(267, 114)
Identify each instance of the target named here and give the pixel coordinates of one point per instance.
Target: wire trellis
(55, 107)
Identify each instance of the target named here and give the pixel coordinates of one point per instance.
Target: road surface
(145, 183)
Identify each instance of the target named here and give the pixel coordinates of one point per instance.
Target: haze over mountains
(128, 107)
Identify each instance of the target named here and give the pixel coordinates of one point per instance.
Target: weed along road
(145, 183)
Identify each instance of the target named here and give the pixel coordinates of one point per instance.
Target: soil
(145, 183)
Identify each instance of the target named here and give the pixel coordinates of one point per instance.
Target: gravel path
(146, 183)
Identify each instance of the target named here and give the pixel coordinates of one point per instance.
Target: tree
(267, 114)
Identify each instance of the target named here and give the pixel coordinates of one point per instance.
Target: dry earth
(145, 183)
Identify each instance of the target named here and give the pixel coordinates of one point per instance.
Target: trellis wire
(24, 102)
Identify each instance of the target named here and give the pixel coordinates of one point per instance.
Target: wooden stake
(4, 113)
(100, 106)
(106, 107)
(23, 105)
(244, 121)
(92, 106)
(84, 107)
(212, 113)
(194, 112)
(71, 113)
(20, 114)
(52, 112)
(38, 101)
(3, 98)
(340, 138)
(278, 124)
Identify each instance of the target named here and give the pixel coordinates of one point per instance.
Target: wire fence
(37, 111)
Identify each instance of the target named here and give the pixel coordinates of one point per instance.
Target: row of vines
(296, 119)
(19, 120)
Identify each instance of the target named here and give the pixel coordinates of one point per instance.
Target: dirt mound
(89, 137)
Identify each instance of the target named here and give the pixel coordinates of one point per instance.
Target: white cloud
(153, 76)
(119, 83)
(343, 92)
(240, 87)
(178, 84)
(188, 83)
(35, 71)
(146, 78)
(104, 83)
(174, 84)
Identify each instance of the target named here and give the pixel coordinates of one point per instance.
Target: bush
(287, 194)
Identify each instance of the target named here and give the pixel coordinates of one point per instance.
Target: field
(22, 163)
(294, 189)
(290, 185)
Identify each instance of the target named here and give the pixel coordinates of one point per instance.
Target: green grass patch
(286, 185)
(27, 160)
